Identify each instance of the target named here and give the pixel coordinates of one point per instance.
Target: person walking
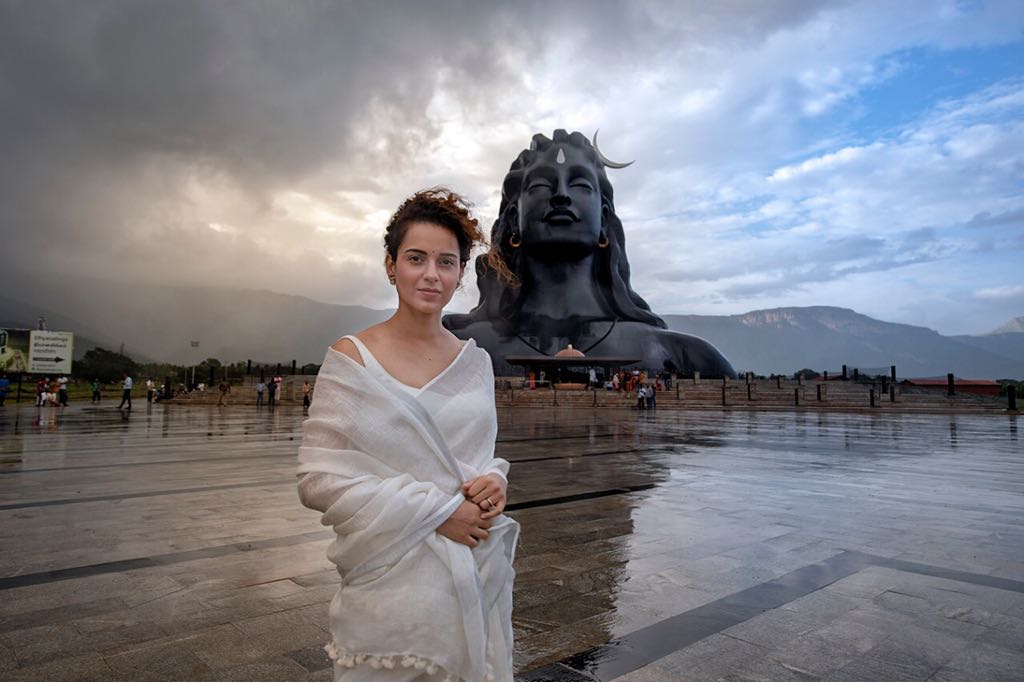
(652, 391)
(5, 386)
(593, 380)
(62, 391)
(307, 396)
(225, 388)
(641, 395)
(150, 389)
(126, 392)
(96, 390)
(271, 393)
(261, 386)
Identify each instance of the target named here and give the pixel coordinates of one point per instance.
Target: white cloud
(754, 185)
(1004, 292)
(821, 163)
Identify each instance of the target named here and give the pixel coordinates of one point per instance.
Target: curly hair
(439, 206)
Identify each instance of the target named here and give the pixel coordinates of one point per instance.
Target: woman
(398, 453)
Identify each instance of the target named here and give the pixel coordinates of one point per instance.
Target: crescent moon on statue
(604, 160)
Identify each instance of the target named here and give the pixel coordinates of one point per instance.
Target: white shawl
(409, 596)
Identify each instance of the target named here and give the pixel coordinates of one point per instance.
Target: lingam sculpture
(559, 236)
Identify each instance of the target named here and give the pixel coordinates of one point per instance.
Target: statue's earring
(514, 240)
(603, 241)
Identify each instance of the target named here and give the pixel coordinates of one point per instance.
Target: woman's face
(427, 270)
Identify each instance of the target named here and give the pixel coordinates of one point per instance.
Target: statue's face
(560, 204)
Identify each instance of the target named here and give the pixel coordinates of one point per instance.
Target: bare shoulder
(346, 347)
(370, 336)
(455, 341)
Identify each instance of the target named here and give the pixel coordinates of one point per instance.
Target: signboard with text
(50, 352)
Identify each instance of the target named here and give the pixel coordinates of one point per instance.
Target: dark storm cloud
(115, 114)
(109, 109)
(265, 89)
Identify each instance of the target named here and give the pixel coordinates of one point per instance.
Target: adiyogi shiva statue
(558, 235)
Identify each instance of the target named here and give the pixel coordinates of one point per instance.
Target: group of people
(629, 381)
(55, 392)
(645, 396)
(271, 388)
(52, 392)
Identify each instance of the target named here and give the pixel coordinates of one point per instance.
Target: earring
(391, 279)
(514, 240)
(603, 241)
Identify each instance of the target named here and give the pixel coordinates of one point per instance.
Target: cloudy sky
(864, 154)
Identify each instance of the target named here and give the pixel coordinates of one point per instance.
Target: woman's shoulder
(346, 347)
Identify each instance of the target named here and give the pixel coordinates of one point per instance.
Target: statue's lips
(560, 217)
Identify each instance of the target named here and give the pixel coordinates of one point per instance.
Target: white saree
(391, 460)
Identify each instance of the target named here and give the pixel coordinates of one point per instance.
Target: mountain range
(157, 323)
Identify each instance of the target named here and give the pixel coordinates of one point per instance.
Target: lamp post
(195, 345)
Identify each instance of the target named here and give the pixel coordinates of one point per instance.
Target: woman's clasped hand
(485, 499)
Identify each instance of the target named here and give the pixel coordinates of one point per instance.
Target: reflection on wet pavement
(677, 545)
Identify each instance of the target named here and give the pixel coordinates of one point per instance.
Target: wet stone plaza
(169, 543)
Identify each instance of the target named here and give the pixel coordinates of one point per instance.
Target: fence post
(796, 396)
(950, 384)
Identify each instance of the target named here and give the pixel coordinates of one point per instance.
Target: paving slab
(169, 544)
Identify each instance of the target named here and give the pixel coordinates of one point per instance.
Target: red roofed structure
(982, 387)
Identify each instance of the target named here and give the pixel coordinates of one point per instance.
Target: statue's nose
(560, 198)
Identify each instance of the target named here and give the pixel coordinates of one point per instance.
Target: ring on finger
(491, 503)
